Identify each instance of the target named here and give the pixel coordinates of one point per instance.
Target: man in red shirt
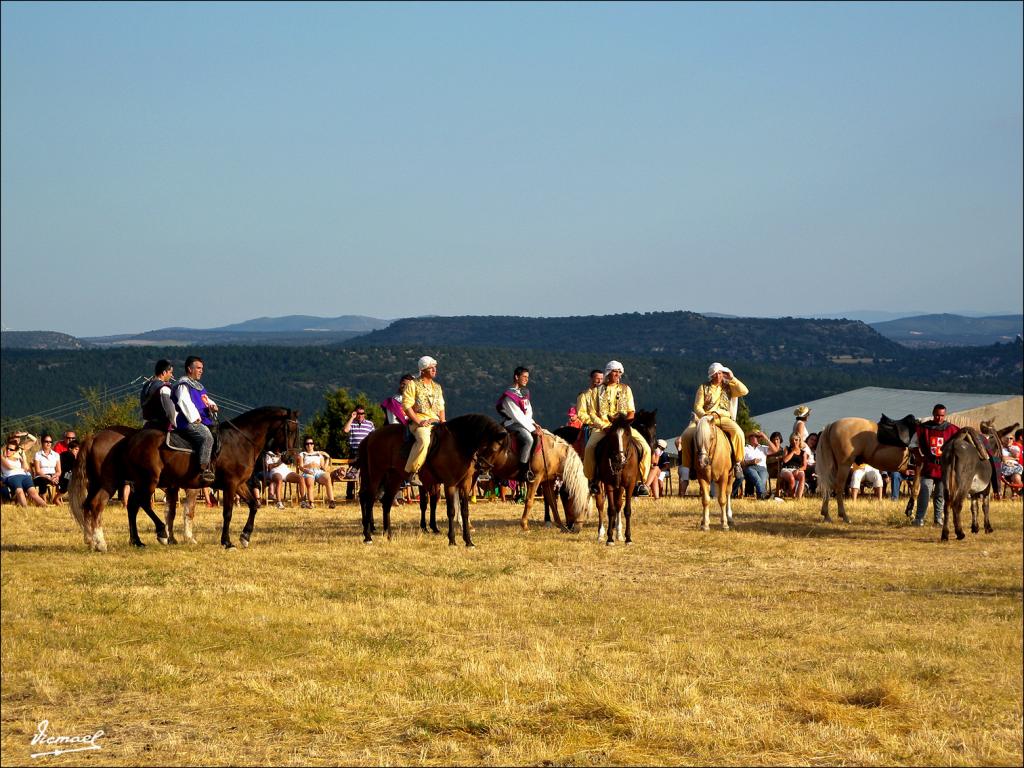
(931, 436)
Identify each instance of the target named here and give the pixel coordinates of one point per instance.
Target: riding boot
(207, 475)
(525, 473)
(594, 488)
(414, 479)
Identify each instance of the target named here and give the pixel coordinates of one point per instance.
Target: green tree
(746, 423)
(101, 411)
(327, 426)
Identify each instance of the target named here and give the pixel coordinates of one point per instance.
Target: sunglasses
(47, 442)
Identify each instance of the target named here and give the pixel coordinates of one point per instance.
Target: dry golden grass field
(785, 641)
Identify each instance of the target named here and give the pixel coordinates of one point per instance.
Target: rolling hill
(951, 330)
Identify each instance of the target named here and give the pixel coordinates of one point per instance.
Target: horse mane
(261, 414)
(471, 429)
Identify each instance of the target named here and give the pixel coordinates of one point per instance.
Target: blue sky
(202, 164)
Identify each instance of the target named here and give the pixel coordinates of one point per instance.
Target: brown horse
(617, 459)
(458, 448)
(852, 440)
(143, 459)
(555, 461)
(93, 455)
(714, 466)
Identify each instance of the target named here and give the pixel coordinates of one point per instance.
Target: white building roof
(871, 403)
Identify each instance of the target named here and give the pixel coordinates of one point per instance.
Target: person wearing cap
(572, 418)
(155, 399)
(717, 396)
(800, 425)
(423, 402)
(611, 399)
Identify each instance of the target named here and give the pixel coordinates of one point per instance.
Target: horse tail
(825, 461)
(78, 488)
(575, 482)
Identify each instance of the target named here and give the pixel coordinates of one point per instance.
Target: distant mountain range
(678, 333)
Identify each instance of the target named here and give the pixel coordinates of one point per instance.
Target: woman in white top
(16, 477)
(800, 425)
(47, 466)
(311, 463)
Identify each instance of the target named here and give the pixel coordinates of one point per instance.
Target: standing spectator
(46, 465)
(16, 476)
(755, 464)
(684, 472)
(660, 464)
(800, 425)
(65, 443)
(392, 406)
(931, 436)
(357, 428)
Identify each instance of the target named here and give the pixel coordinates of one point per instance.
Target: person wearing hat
(611, 399)
(156, 401)
(717, 396)
(800, 425)
(423, 402)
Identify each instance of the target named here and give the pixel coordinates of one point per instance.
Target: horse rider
(514, 405)
(156, 401)
(716, 397)
(611, 399)
(423, 401)
(394, 412)
(584, 402)
(195, 414)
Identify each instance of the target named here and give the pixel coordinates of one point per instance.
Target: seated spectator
(792, 473)
(867, 475)
(1012, 471)
(281, 471)
(755, 465)
(811, 473)
(46, 467)
(16, 476)
(67, 466)
(62, 445)
(314, 465)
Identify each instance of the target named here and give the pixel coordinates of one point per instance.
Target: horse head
(704, 439)
(646, 423)
(620, 431)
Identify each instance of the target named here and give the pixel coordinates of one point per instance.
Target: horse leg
(190, 512)
(984, 506)
(93, 513)
(601, 519)
(974, 514)
(171, 502)
(724, 486)
(548, 489)
(842, 474)
(450, 501)
(629, 514)
(958, 508)
(705, 501)
(466, 527)
(250, 521)
(435, 497)
(367, 493)
(385, 506)
(147, 505)
(614, 499)
(133, 527)
(423, 512)
(225, 531)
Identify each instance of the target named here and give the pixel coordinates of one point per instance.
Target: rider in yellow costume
(715, 396)
(604, 403)
(423, 401)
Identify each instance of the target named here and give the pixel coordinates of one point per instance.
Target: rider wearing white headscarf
(423, 401)
(718, 396)
(612, 399)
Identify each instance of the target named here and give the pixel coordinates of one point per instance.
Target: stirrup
(414, 479)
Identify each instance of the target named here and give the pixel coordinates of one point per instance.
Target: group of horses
(460, 450)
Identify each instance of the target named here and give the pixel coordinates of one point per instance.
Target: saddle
(514, 441)
(896, 433)
(176, 442)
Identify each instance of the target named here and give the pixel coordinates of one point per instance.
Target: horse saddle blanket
(896, 433)
(514, 442)
(176, 442)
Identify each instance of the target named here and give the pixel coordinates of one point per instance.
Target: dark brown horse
(617, 459)
(94, 452)
(144, 460)
(458, 448)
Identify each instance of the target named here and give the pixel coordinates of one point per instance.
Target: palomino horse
(555, 459)
(143, 459)
(457, 449)
(852, 440)
(714, 466)
(88, 468)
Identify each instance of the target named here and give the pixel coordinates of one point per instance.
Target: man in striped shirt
(357, 428)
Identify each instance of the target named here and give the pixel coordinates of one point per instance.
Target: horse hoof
(229, 546)
(435, 530)
(610, 543)
(988, 529)
(163, 541)
(975, 529)
(960, 535)
(244, 542)
(944, 536)
(705, 527)
(171, 540)
(547, 523)
(138, 543)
